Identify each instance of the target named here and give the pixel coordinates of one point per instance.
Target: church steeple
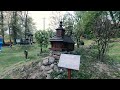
(60, 31)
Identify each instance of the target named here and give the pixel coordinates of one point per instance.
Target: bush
(81, 42)
(88, 62)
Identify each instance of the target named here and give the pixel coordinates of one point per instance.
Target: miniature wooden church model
(61, 42)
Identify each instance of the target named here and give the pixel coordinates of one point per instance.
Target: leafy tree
(8, 23)
(42, 39)
(102, 29)
(19, 22)
(68, 23)
(88, 20)
(31, 25)
(78, 27)
(97, 24)
(2, 25)
(51, 33)
(115, 18)
(15, 26)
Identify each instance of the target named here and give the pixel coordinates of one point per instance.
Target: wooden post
(69, 73)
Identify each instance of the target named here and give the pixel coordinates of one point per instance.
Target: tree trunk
(9, 34)
(2, 26)
(14, 26)
(26, 27)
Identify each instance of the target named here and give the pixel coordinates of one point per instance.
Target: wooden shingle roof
(62, 39)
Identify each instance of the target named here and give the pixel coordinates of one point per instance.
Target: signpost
(69, 61)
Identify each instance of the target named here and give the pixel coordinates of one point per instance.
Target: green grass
(114, 51)
(87, 42)
(10, 57)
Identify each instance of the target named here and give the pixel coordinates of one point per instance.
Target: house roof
(60, 28)
(62, 39)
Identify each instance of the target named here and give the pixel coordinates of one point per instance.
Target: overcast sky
(39, 15)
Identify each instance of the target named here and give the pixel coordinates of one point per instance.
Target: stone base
(56, 54)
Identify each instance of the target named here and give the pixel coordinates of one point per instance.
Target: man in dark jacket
(1, 42)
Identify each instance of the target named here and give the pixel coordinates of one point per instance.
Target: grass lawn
(114, 51)
(87, 42)
(10, 57)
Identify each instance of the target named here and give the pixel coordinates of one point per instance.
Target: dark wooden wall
(62, 46)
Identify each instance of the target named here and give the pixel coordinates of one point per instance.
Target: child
(1, 42)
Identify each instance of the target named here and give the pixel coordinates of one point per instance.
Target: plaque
(69, 61)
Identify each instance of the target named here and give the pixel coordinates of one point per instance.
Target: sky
(39, 15)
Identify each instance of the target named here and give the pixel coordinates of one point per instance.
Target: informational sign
(69, 61)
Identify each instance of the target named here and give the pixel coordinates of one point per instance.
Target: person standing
(1, 42)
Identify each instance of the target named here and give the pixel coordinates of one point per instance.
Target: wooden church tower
(61, 42)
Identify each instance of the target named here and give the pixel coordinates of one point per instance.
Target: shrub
(81, 42)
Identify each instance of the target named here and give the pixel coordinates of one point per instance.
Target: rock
(50, 71)
(42, 67)
(34, 76)
(58, 53)
(47, 68)
(61, 70)
(39, 64)
(56, 68)
(48, 76)
(56, 57)
(56, 62)
(22, 69)
(43, 75)
(51, 60)
(45, 62)
(52, 65)
(50, 54)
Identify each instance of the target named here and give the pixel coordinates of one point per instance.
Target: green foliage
(42, 38)
(88, 20)
(50, 33)
(31, 25)
(68, 23)
(78, 27)
(81, 42)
